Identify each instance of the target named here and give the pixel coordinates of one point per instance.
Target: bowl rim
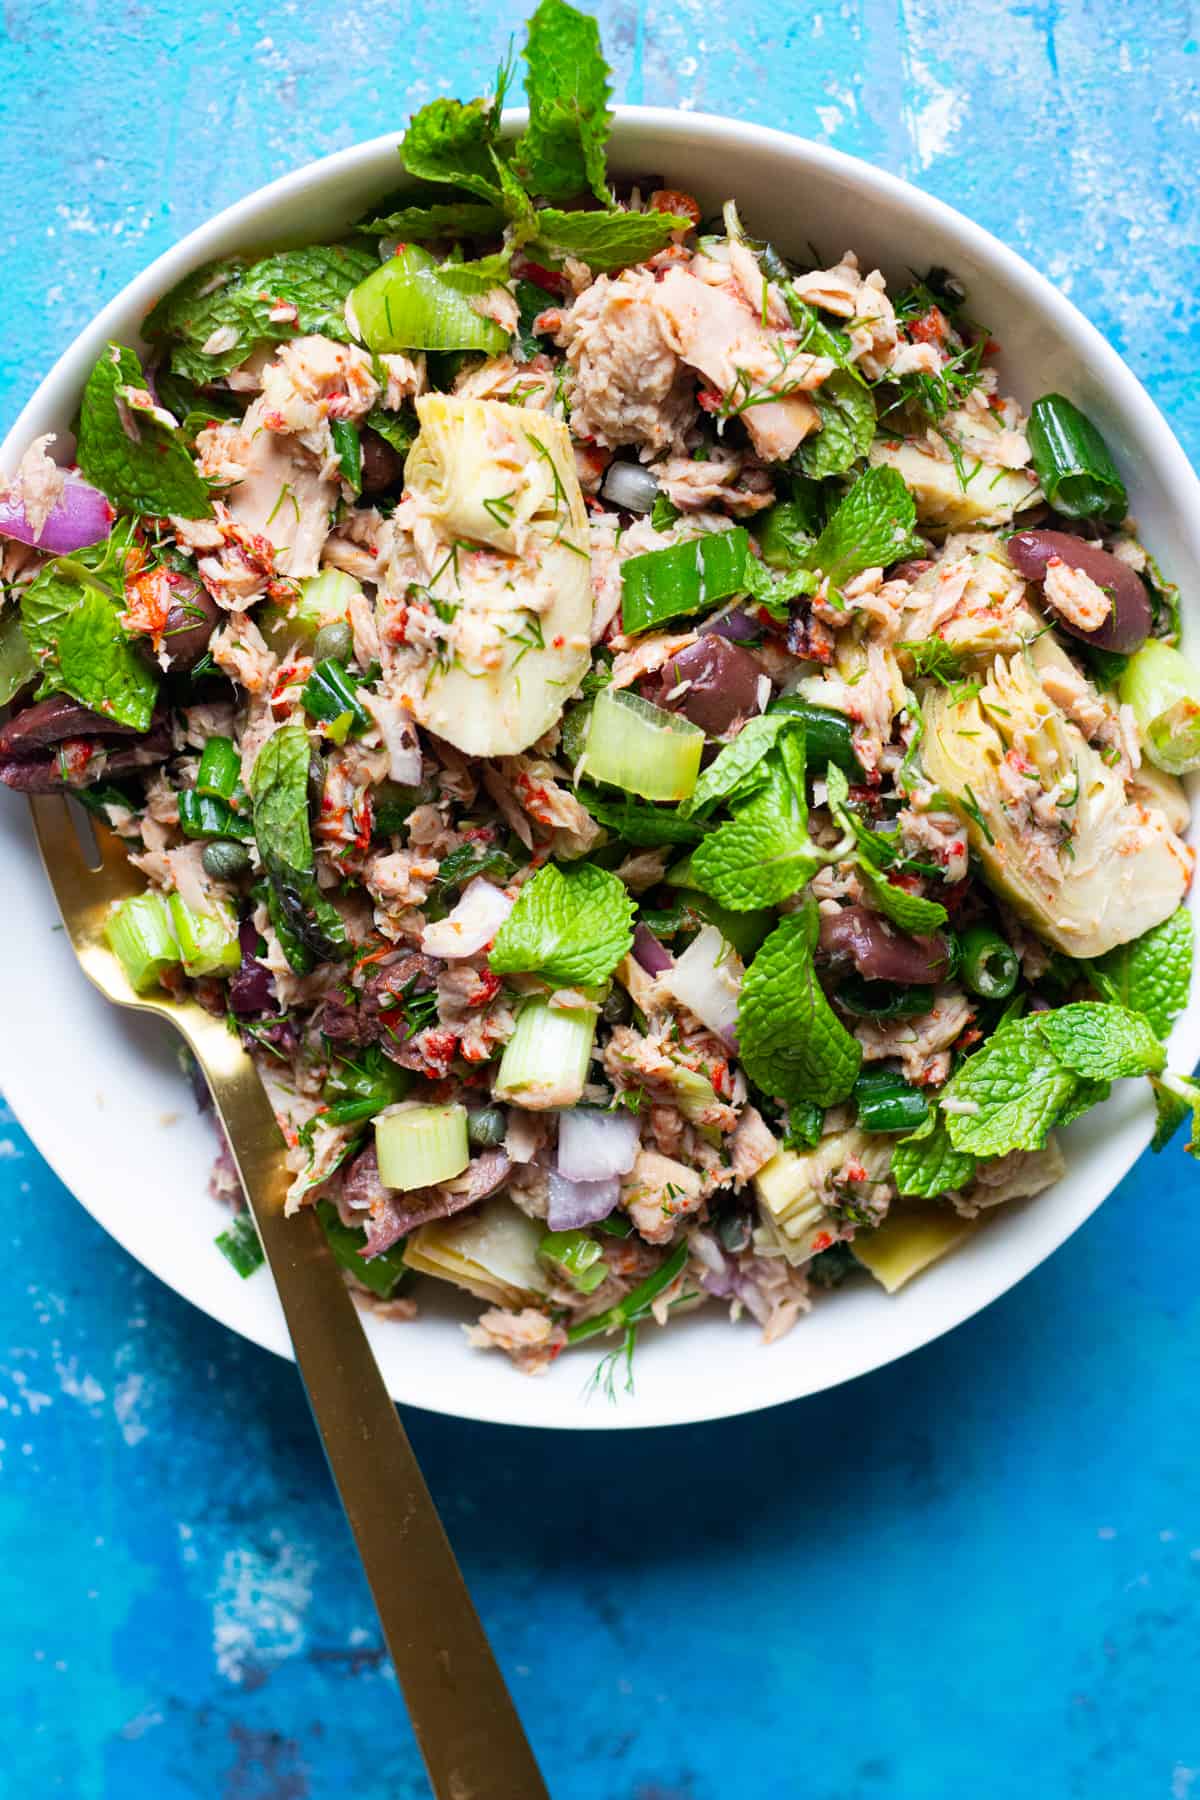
(683, 130)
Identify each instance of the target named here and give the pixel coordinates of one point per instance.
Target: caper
(487, 1126)
(224, 859)
(334, 642)
(617, 1007)
(734, 1230)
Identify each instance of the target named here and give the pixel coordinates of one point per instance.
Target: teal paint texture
(975, 1572)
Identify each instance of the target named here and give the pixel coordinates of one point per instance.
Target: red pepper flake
(822, 1240)
(709, 400)
(931, 328)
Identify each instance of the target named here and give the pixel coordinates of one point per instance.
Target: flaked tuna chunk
(629, 386)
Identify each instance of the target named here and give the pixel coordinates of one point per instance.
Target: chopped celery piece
(239, 1245)
(636, 1304)
(323, 599)
(545, 1061)
(17, 666)
(421, 1145)
(1163, 688)
(577, 1257)
(406, 306)
(640, 748)
(683, 579)
(208, 942)
(382, 1274)
(139, 931)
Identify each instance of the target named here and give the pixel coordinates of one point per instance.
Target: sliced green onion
(988, 964)
(637, 1301)
(200, 816)
(17, 667)
(577, 1256)
(356, 1090)
(545, 1061)
(208, 942)
(139, 931)
(403, 305)
(1163, 688)
(329, 696)
(240, 1246)
(220, 768)
(1073, 462)
(828, 735)
(886, 1102)
(682, 579)
(347, 447)
(421, 1146)
(323, 598)
(382, 1274)
(640, 748)
(618, 1225)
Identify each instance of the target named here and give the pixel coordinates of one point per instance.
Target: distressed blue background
(976, 1572)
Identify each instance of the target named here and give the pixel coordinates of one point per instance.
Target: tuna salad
(670, 769)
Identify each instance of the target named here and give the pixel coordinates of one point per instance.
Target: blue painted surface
(976, 1572)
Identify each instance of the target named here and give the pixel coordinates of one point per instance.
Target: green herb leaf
(561, 153)
(239, 1244)
(309, 928)
(664, 512)
(1153, 974)
(399, 429)
(739, 764)
(791, 1043)
(926, 1164)
(765, 854)
(608, 240)
(452, 142)
(70, 618)
(1174, 1097)
(453, 219)
(1015, 1087)
(141, 464)
(847, 427)
(908, 912)
(873, 526)
(639, 822)
(571, 926)
(1101, 1041)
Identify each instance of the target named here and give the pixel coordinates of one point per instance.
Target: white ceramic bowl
(100, 1091)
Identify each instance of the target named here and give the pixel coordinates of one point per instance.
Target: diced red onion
(707, 979)
(577, 1203)
(594, 1145)
(79, 517)
(653, 956)
(717, 1276)
(631, 486)
(473, 923)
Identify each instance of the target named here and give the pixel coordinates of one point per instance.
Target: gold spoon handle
(465, 1722)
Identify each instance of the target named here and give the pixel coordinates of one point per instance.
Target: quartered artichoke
(793, 1191)
(991, 497)
(496, 564)
(1050, 821)
(491, 1251)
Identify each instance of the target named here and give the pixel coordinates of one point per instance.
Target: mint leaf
(847, 412)
(449, 141)
(1101, 1041)
(70, 616)
(202, 304)
(1153, 974)
(765, 854)
(790, 1042)
(452, 219)
(399, 429)
(1087, 1094)
(873, 526)
(908, 912)
(562, 151)
(141, 464)
(740, 763)
(639, 822)
(309, 928)
(1014, 1087)
(926, 1164)
(1174, 1097)
(570, 926)
(608, 240)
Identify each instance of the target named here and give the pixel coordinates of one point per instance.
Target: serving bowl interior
(100, 1091)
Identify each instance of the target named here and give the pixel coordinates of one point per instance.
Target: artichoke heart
(490, 1251)
(1050, 821)
(987, 497)
(485, 621)
(795, 1190)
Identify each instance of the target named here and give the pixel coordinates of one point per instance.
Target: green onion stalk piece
(208, 942)
(421, 1145)
(220, 769)
(578, 1257)
(1073, 462)
(347, 447)
(683, 579)
(545, 1061)
(988, 964)
(640, 748)
(405, 304)
(239, 1245)
(139, 931)
(329, 696)
(636, 1303)
(383, 1274)
(828, 735)
(200, 816)
(886, 1102)
(1163, 688)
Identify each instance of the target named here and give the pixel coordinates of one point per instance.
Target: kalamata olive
(618, 1008)
(252, 986)
(190, 622)
(224, 859)
(722, 683)
(910, 569)
(486, 1127)
(738, 626)
(382, 466)
(1128, 624)
(334, 641)
(52, 720)
(881, 953)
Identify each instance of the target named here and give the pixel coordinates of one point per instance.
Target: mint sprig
(70, 618)
(561, 153)
(925, 1164)
(791, 1042)
(875, 525)
(140, 463)
(570, 926)
(765, 854)
(1153, 974)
